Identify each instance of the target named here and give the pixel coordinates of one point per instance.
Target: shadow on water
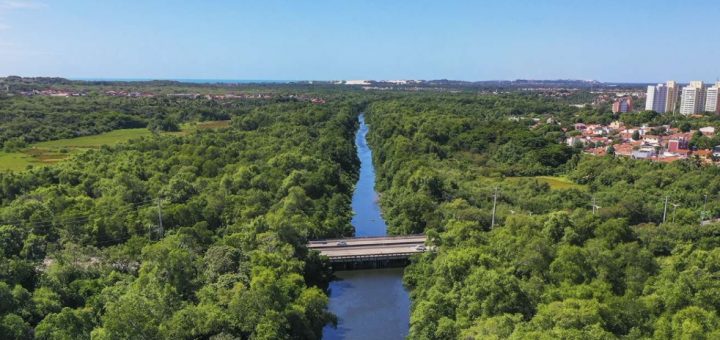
(369, 304)
(339, 288)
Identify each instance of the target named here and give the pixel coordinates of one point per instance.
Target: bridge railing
(356, 258)
(366, 238)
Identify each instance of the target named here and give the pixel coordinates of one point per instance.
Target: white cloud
(17, 5)
(21, 4)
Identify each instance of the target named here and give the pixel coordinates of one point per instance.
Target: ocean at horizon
(193, 81)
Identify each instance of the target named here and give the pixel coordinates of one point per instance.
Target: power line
(136, 205)
(112, 240)
(78, 217)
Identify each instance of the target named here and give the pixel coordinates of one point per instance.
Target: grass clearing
(95, 141)
(15, 161)
(50, 152)
(559, 182)
(188, 128)
(215, 124)
(555, 182)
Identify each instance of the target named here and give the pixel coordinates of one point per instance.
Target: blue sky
(610, 40)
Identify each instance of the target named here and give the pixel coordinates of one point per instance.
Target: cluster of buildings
(52, 93)
(695, 98)
(656, 143)
(622, 105)
(231, 96)
(622, 102)
(553, 92)
(133, 94)
(221, 96)
(137, 94)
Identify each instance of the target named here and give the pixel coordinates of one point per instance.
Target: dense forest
(198, 236)
(592, 260)
(202, 234)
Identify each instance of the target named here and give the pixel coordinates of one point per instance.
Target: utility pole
(162, 231)
(675, 205)
(595, 206)
(702, 214)
(665, 209)
(492, 225)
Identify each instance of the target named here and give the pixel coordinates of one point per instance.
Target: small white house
(707, 131)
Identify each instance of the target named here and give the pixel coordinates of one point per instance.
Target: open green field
(108, 138)
(50, 152)
(556, 183)
(15, 161)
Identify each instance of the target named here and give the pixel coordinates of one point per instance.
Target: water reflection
(370, 304)
(367, 219)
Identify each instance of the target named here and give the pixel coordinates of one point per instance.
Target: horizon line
(249, 80)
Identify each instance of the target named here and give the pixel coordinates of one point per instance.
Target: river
(369, 304)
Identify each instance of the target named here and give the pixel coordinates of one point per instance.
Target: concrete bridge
(370, 252)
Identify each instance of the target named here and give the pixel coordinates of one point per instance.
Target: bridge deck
(369, 248)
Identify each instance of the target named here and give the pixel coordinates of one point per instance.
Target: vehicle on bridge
(370, 252)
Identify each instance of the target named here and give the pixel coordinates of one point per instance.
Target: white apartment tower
(672, 96)
(693, 98)
(712, 99)
(656, 99)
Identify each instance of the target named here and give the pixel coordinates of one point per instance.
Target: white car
(420, 247)
(342, 244)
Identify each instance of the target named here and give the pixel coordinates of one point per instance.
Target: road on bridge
(364, 247)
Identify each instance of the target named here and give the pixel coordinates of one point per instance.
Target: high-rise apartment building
(712, 99)
(622, 105)
(662, 98)
(672, 96)
(692, 100)
(656, 99)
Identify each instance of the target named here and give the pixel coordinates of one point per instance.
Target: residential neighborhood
(656, 143)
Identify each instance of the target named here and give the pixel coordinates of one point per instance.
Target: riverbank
(369, 304)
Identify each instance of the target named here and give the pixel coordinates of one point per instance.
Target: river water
(370, 304)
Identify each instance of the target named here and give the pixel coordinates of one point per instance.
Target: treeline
(640, 117)
(412, 136)
(201, 236)
(603, 258)
(25, 120)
